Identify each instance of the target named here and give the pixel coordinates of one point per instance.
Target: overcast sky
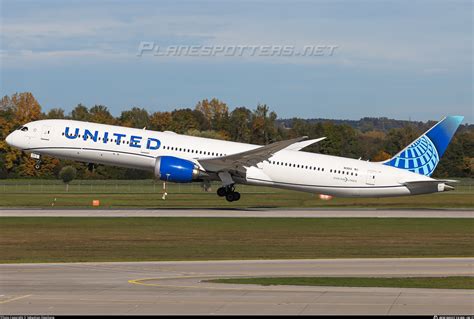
(400, 59)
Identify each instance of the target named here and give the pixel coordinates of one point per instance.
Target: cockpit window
(24, 129)
(19, 128)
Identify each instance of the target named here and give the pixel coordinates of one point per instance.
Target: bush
(67, 174)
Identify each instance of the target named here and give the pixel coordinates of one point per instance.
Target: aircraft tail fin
(423, 155)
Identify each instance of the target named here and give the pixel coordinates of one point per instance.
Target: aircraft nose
(12, 140)
(9, 139)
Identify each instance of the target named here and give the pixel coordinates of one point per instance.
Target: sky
(399, 59)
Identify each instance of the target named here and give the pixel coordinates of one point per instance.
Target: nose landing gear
(38, 165)
(37, 157)
(229, 193)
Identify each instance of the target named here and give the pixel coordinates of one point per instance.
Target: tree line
(372, 139)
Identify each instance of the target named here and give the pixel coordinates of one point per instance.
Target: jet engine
(174, 169)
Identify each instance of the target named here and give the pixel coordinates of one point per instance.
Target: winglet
(300, 145)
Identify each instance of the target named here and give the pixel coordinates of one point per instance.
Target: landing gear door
(45, 132)
(371, 177)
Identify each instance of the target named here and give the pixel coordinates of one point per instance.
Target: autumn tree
(381, 156)
(17, 110)
(25, 108)
(101, 114)
(80, 113)
(136, 117)
(183, 120)
(55, 113)
(263, 125)
(215, 112)
(240, 125)
(161, 121)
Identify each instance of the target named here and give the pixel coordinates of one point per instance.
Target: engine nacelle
(174, 169)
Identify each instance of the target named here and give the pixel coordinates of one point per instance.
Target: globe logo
(420, 157)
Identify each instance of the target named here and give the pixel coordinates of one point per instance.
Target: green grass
(407, 282)
(71, 239)
(147, 194)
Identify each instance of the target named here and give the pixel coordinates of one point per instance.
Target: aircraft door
(45, 132)
(371, 177)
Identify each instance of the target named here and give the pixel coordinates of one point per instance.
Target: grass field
(68, 239)
(147, 194)
(408, 282)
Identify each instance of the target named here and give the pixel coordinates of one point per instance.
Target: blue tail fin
(423, 155)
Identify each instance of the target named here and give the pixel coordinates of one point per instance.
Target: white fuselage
(135, 148)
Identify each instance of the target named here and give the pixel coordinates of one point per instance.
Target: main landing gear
(229, 193)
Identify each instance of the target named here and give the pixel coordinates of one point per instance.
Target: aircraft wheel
(38, 166)
(230, 197)
(236, 196)
(221, 192)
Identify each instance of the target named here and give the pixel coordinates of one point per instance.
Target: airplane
(180, 158)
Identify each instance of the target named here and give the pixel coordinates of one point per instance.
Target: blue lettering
(119, 137)
(88, 134)
(151, 140)
(66, 133)
(106, 137)
(135, 141)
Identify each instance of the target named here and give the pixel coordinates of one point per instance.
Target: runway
(250, 212)
(178, 288)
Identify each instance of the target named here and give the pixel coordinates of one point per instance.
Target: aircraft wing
(247, 158)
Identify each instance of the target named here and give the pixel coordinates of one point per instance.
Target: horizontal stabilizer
(429, 186)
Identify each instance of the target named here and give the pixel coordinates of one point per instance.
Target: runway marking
(393, 304)
(13, 299)
(142, 282)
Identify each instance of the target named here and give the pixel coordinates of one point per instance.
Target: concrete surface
(177, 288)
(264, 213)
